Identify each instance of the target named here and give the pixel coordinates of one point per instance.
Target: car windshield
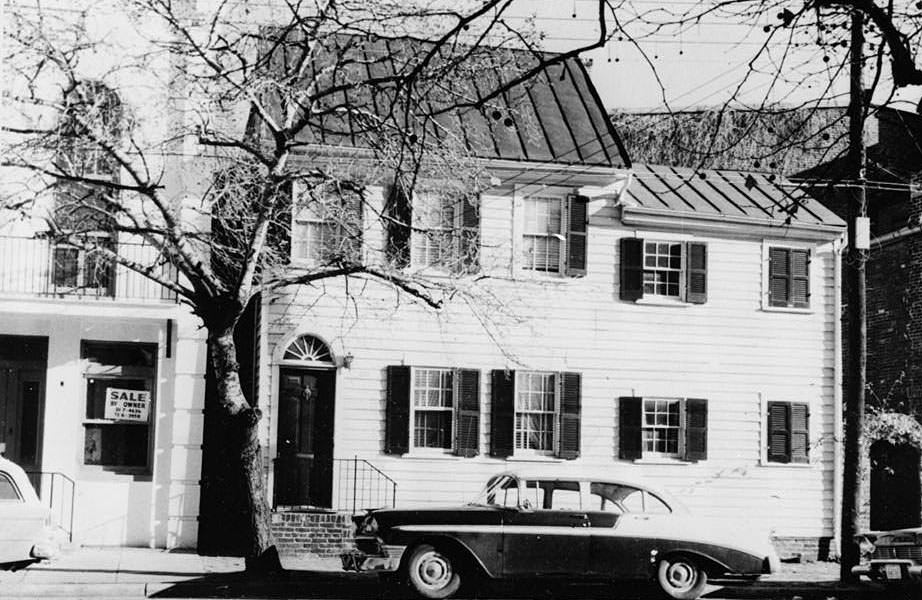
(502, 490)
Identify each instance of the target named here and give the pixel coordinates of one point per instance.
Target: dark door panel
(545, 542)
(304, 462)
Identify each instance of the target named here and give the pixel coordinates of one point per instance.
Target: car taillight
(369, 526)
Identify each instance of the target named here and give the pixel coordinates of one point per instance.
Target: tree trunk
(243, 442)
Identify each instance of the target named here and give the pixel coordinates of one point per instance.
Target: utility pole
(856, 299)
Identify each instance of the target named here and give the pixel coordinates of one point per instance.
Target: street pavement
(87, 572)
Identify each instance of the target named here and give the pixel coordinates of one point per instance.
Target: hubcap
(681, 575)
(434, 570)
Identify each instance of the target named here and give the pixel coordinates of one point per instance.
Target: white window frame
(680, 449)
(304, 218)
(683, 258)
(555, 415)
(451, 410)
(561, 236)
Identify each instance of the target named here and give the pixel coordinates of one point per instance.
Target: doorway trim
(278, 363)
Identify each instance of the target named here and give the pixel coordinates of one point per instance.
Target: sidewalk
(89, 572)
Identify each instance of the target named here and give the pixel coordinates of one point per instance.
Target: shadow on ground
(350, 586)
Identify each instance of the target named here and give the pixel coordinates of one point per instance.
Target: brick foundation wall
(312, 534)
(809, 548)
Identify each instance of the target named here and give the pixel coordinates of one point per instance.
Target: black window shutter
(397, 410)
(778, 432)
(470, 235)
(349, 244)
(467, 411)
(278, 235)
(779, 283)
(631, 268)
(800, 278)
(696, 429)
(398, 214)
(502, 413)
(630, 427)
(800, 433)
(570, 393)
(577, 235)
(696, 274)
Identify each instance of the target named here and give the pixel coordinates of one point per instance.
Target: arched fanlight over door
(308, 348)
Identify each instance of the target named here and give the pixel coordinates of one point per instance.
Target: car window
(633, 500)
(8, 490)
(566, 499)
(600, 498)
(653, 505)
(534, 495)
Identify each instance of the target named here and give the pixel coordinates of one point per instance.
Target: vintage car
(25, 523)
(894, 557)
(561, 525)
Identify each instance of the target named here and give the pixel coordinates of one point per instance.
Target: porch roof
(734, 195)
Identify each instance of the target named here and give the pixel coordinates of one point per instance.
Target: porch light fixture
(346, 361)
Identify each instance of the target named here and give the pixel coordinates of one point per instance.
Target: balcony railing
(362, 485)
(39, 267)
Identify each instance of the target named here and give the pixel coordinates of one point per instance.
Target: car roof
(568, 473)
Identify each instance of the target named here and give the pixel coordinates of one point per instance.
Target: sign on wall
(127, 405)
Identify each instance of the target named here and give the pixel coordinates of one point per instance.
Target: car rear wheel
(432, 573)
(680, 577)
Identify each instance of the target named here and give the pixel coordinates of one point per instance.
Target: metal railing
(362, 485)
(56, 491)
(36, 266)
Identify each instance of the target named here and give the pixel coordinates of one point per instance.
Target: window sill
(427, 455)
(780, 465)
(661, 461)
(662, 301)
(787, 309)
(534, 458)
(542, 277)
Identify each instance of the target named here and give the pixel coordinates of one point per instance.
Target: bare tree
(204, 134)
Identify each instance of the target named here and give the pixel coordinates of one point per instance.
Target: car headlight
(865, 546)
(369, 526)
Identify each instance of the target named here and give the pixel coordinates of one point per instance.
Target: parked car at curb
(527, 525)
(893, 557)
(25, 523)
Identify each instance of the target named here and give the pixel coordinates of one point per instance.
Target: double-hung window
(433, 230)
(86, 270)
(432, 408)
(663, 269)
(327, 225)
(535, 412)
(535, 408)
(554, 234)
(654, 427)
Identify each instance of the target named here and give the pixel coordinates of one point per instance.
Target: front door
(304, 462)
(896, 500)
(22, 379)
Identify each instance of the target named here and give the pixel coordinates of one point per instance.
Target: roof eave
(736, 226)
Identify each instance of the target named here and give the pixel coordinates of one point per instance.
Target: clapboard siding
(728, 350)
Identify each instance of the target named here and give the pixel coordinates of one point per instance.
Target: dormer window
(554, 232)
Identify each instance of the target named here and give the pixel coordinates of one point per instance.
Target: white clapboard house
(676, 326)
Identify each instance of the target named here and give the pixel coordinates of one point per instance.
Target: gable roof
(554, 117)
(739, 196)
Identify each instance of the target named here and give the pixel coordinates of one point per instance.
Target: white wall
(729, 350)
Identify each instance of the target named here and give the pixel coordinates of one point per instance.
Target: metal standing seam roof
(727, 193)
(557, 116)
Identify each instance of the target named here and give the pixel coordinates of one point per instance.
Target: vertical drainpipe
(835, 545)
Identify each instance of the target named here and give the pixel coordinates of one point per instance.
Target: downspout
(837, 432)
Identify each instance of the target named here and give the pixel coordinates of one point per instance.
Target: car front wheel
(432, 573)
(680, 577)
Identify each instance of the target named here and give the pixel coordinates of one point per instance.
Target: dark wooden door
(21, 397)
(304, 462)
(896, 497)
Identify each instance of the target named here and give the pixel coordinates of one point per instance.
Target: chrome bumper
(387, 561)
(876, 569)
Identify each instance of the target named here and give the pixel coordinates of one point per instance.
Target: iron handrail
(360, 479)
(50, 502)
